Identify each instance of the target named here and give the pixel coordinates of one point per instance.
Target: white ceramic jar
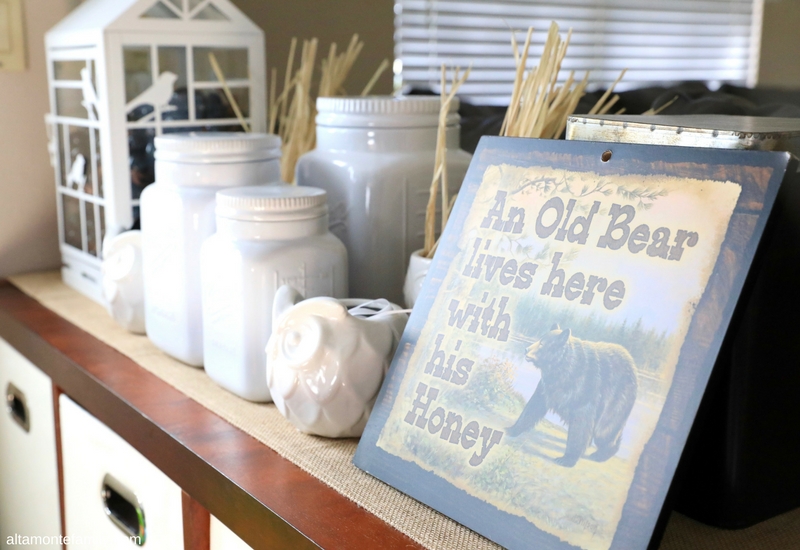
(266, 237)
(375, 158)
(177, 214)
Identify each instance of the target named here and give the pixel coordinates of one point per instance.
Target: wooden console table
(268, 501)
(265, 499)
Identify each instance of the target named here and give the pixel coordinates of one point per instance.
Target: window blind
(659, 42)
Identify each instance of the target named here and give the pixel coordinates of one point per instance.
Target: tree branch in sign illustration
(644, 197)
(543, 185)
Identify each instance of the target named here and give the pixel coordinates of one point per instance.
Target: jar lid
(217, 147)
(272, 203)
(383, 111)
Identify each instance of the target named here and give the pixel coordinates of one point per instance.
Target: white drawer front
(223, 538)
(91, 452)
(29, 504)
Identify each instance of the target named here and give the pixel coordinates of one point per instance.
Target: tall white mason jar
(177, 215)
(375, 158)
(266, 237)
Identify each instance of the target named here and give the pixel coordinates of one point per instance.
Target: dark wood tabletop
(265, 499)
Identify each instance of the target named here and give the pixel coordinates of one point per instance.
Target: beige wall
(28, 234)
(329, 21)
(780, 47)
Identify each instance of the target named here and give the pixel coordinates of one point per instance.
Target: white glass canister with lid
(266, 237)
(177, 215)
(375, 158)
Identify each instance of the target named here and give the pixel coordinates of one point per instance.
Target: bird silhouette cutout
(77, 174)
(90, 100)
(157, 95)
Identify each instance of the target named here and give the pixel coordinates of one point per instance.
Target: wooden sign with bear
(552, 367)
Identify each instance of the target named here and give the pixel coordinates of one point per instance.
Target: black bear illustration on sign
(590, 385)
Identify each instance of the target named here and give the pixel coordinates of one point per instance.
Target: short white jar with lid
(177, 215)
(266, 237)
(375, 158)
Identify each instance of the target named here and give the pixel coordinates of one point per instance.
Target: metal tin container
(740, 463)
(717, 131)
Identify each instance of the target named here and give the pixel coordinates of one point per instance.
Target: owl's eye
(301, 341)
(293, 338)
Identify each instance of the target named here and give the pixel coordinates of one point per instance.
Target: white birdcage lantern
(122, 72)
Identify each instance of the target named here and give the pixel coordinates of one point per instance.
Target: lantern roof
(93, 18)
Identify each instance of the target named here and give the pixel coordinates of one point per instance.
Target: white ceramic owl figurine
(326, 359)
(123, 288)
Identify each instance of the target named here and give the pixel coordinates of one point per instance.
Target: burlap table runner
(330, 461)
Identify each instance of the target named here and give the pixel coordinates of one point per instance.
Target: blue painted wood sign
(551, 370)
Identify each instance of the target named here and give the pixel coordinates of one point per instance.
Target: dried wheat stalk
(212, 59)
(292, 114)
(440, 164)
(297, 128)
(539, 107)
(336, 68)
(652, 111)
(378, 72)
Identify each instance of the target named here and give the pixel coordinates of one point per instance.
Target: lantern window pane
(206, 127)
(138, 72)
(160, 11)
(173, 59)
(194, 3)
(242, 98)
(69, 103)
(140, 150)
(142, 107)
(214, 104)
(224, 128)
(93, 68)
(178, 4)
(68, 70)
(178, 108)
(142, 94)
(195, 127)
(141, 112)
(98, 163)
(63, 152)
(210, 13)
(71, 210)
(91, 235)
(79, 175)
(102, 214)
(88, 185)
(232, 62)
